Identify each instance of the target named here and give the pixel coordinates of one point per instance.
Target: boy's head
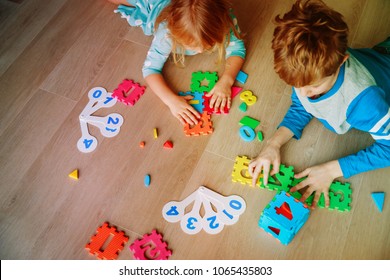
(309, 43)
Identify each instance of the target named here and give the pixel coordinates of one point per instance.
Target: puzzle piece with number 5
(150, 247)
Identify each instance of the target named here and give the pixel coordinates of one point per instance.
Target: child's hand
(319, 178)
(183, 111)
(221, 95)
(267, 159)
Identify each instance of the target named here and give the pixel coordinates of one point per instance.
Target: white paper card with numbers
(109, 125)
(219, 211)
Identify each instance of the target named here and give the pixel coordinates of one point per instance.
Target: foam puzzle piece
(150, 247)
(247, 133)
(235, 91)
(128, 92)
(248, 121)
(203, 127)
(113, 248)
(243, 107)
(379, 199)
(209, 110)
(340, 197)
(242, 77)
(280, 181)
(218, 211)
(197, 101)
(248, 97)
(283, 217)
(74, 174)
(203, 81)
(240, 171)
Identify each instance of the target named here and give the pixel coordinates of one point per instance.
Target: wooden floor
(53, 52)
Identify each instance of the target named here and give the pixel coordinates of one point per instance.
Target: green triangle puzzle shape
(379, 199)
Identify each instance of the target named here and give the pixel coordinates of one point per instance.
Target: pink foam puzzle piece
(136, 91)
(235, 91)
(151, 247)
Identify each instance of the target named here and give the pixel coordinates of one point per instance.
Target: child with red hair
(187, 27)
(343, 88)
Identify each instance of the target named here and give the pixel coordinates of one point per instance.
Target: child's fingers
(301, 185)
(317, 196)
(255, 173)
(306, 194)
(266, 168)
(326, 195)
(304, 173)
(275, 167)
(229, 102)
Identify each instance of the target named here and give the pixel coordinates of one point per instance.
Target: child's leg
(383, 47)
(120, 2)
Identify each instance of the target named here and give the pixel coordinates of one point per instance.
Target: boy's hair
(309, 43)
(198, 23)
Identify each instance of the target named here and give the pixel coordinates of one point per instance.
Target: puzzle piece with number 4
(218, 211)
(109, 125)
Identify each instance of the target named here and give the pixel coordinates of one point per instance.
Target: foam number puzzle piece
(280, 181)
(240, 171)
(197, 100)
(150, 247)
(128, 92)
(283, 217)
(340, 197)
(248, 97)
(248, 121)
(247, 133)
(203, 81)
(379, 199)
(113, 248)
(208, 109)
(203, 127)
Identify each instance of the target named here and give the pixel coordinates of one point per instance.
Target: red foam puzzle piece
(113, 248)
(150, 247)
(128, 92)
(284, 210)
(168, 144)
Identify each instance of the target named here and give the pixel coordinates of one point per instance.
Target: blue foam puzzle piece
(270, 218)
(198, 97)
(241, 77)
(379, 199)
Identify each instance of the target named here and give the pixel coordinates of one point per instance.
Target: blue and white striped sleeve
(296, 117)
(369, 112)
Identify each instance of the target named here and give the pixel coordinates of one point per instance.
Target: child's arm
(222, 90)
(177, 104)
(270, 156)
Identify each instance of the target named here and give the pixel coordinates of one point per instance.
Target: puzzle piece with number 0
(109, 125)
(219, 211)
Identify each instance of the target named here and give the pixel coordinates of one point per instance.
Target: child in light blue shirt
(186, 27)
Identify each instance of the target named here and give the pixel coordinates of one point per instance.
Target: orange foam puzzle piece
(113, 248)
(203, 127)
